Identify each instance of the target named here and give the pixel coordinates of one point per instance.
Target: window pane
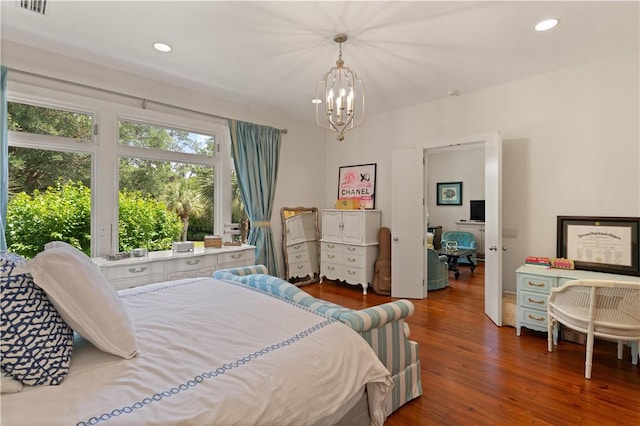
(162, 202)
(49, 199)
(48, 121)
(150, 136)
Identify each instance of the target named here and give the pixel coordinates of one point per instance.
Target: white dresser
(535, 284)
(301, 246)
(349, 245)
(167, 265)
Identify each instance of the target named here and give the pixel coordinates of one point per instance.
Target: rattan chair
(606, 309)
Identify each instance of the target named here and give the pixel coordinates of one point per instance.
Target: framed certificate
(603, 244)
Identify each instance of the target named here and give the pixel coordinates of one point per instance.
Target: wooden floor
(474, 373)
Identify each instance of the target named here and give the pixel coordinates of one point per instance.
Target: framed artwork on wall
(449, 193)
(600, 243)
(358, 183)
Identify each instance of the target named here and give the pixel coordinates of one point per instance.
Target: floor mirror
(300, 244)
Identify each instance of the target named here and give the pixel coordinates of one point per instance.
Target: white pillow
(84, 298)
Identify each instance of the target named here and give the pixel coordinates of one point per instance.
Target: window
(152, 178)
(119, 177)
(49, 121)
(49, 180)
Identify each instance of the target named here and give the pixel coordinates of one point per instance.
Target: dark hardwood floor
(474, 373)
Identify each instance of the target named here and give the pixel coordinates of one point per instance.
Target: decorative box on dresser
(168, 265)
(349, 245)
(533, 288)
(302, 245)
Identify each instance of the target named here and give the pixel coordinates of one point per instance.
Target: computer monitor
(476, 210)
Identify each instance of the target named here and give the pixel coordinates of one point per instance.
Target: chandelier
(341, 91)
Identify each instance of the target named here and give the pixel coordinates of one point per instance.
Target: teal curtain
(4, 158)
(256, 152)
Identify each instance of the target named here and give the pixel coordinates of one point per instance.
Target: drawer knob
(532, 284)
(539, 302)
(137, 270)
(331, 268)
(330, 256)
(192, 262)
(297, 247)
(298, 256)
(351, 272)
(351, 259)
(330, 245)
(236, 256)
(351, 248)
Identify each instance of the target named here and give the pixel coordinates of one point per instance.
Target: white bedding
(212, 352)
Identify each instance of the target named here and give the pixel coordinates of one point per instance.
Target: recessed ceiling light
(162, 47)
(547, 24)
(316, 101)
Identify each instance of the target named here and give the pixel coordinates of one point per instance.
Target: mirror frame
(286, 212)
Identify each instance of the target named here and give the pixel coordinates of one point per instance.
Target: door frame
(493, 233)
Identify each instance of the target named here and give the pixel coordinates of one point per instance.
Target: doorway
(408, 216)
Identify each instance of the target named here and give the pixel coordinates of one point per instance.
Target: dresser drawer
(133, 270)
(333, 271)
(244, 257)
(302, 269)
(202, 272)
(191, 263)
(533, 300)
(300, 247)
(136, 281)
(355, 275)
(534, 317)
(355, 250)
(333, 247)
(302, 250)
(354, 261)
(536, 283)
(331, 256)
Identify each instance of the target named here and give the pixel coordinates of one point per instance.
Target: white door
(331, 225)
(493, 228)
(407, 224)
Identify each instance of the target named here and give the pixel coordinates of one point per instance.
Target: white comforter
(212, 353)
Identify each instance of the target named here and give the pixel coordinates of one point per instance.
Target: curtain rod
(113, 92)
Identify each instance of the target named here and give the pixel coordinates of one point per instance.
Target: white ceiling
(272, 54)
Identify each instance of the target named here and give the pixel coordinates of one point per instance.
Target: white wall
(571, 141)
(570, 147)
(302, 169)
(459, 165)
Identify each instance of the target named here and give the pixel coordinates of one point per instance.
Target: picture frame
(600, 243)
(449, 193)
(358, 183)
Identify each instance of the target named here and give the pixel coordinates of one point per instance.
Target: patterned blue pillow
(36, 344)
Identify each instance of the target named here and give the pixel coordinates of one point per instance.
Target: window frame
(105, 149)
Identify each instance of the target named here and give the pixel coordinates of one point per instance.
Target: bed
(241, 348)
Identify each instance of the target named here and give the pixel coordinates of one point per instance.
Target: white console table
(167, 265)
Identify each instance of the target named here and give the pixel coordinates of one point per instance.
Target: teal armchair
(438, 271)
(466, 240)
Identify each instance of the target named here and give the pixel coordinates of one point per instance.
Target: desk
(453, 256)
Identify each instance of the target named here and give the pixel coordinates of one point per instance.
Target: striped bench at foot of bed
(382, 326)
